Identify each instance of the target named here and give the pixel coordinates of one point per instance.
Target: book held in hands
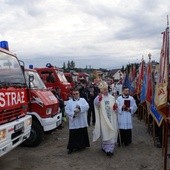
(127, 103)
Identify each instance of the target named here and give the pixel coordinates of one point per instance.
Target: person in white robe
(119, 88)
(106, 126)
(76, 110)
(126, 108)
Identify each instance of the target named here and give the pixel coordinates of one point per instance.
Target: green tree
(64, 66)
(122, 69)
(72, 64)
(68, 65)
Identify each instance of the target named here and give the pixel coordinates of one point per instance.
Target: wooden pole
(143, 113)
(163, 138)
(166, 145)
(167, 108)
(146, 116)
(153, 133)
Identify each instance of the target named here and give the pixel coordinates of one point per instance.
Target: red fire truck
(54, 77)
(15, 124)
(43, 106)
(74, 78)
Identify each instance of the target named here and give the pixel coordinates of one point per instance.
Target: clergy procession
(84, 85)
(99, 116)
(121, 122)
(143, 93)
(113, 119)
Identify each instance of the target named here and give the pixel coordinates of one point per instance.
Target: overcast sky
(97, 33)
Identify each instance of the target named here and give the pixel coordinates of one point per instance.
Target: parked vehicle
(76, 78)
(72, 78)
(43, 107)
(83, 77)
(15, 124)
(54, 77)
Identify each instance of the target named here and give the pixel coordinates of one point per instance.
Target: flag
(161, 95)
(132, 87)
(132, 82)
(143, 90)
(149, 83)
(155, 113)
(126, 82)
(140, 77)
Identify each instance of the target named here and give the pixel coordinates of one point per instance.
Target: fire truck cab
(15, 124)
(43, 106)
(72, 78)
(83, 77)
(54, 77)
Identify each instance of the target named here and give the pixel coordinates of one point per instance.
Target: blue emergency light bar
(49, 65)
(4, 45)
(31, 66)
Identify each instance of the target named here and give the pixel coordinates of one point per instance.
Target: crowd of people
(109, 111)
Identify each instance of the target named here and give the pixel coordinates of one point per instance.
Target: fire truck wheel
(36, 136)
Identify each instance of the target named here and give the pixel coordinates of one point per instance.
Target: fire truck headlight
(48, 111)
(2, 134)
(59, 110)
(29, 122)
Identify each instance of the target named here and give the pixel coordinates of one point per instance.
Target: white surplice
(79, 121)
(125, 117)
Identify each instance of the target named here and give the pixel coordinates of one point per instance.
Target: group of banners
(143, 83)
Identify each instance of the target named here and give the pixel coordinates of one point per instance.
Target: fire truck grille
(10, 115)
(16, 134)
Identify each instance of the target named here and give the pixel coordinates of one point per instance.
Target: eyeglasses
(75, 94)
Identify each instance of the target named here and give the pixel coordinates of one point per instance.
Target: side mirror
(22, 65)
(30, 79)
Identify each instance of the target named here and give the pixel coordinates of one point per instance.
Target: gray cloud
(92, 32)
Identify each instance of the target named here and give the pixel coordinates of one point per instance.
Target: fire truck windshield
(10, 71)
(61, 76)
(37, 83)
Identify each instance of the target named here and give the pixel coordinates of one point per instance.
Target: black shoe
(109, 153)
(118, 144)
(70, 151)
(126, 144)
(60, 126)
(103, 150)
(80, 149)
(168, 155)
(158, 145)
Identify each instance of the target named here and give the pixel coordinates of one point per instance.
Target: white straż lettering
(22, 97)
(2, 100)
(13, 98)
(8, 98)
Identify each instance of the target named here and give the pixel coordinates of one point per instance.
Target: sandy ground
(52, 154)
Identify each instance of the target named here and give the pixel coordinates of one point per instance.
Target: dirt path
(52, 154)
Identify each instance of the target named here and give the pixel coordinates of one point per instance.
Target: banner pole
(167, 107)
(166, 145)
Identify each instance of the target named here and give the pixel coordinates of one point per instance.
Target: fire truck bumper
(51, 123)
(15, 133)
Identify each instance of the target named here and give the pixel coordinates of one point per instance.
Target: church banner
(156, 114)
(162, 85)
